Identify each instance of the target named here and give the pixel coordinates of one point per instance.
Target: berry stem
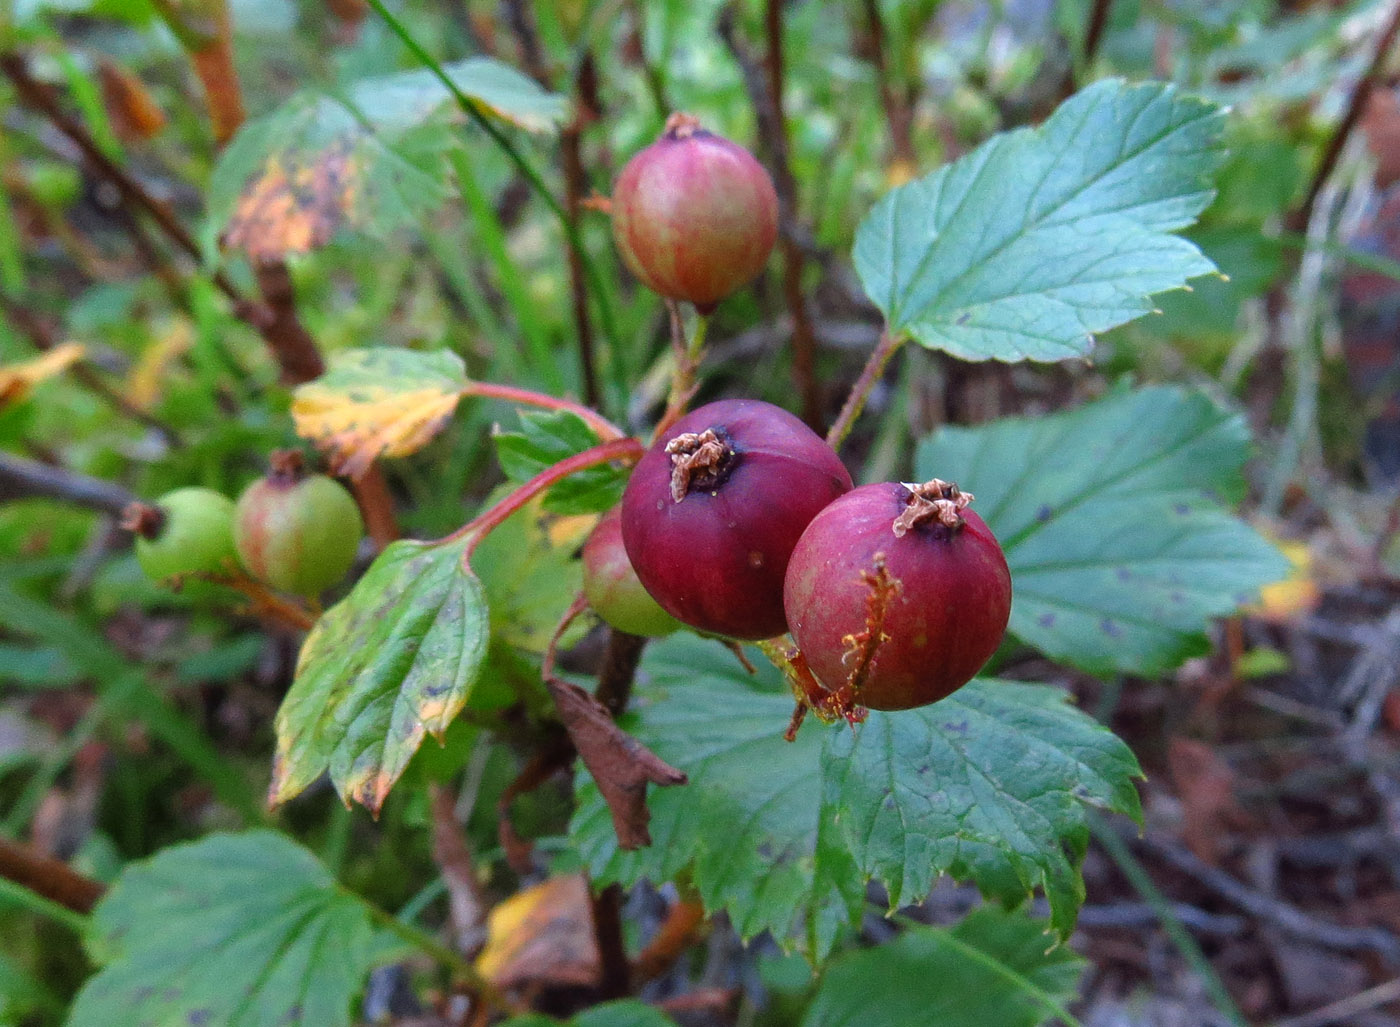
(886, 348)
(606, 430)
(627, 449)
(688, 356)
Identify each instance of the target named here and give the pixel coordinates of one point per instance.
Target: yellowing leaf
(378, 402)
(17, 380)
(543, 934)
(1295, 594)
(144, 382)
(296, 202)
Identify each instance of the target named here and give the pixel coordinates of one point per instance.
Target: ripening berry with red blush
(298, 532)
(896, 596)
(713, 510)
(695, 216)
(612, 587)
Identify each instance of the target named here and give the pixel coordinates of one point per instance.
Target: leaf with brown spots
(393, 661)
(378, 402)
(289, 181)
(18, 380)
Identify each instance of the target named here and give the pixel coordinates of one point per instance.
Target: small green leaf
(392, 661)
(1039, 238)
(992, 968)
(1109, 515)
(989, 785)
(245, 930)
(548, 437)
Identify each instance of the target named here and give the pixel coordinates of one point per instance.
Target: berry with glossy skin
(714, 508)
(694, 215)
(297, 532)
(613, 589)
(896, 596)
(187, 531)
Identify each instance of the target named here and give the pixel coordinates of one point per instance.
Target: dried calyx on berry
(298, 532)
(713, 510)
(896, 595)
(695, 216)
(185, 532)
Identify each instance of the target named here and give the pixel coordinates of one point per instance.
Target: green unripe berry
(612, 587)
(299, 533)
(188, 531)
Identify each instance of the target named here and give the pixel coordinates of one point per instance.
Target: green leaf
(1039, 238)
(234, 930)
(392, 661)
(626, 1013)
(408, 98)
(547, 438)
(992, 968)
(1110, 517)
(989, 785)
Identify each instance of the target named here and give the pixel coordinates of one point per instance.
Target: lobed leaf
(989, 785)
(238, 930)
(1111, 519)
(1039, 238)
(992, 968)
(378, 402)
(547, 437)
(394, 660)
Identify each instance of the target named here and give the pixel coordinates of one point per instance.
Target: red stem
(479, 527)
(607, 431)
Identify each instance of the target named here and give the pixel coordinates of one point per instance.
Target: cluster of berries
(741, 522)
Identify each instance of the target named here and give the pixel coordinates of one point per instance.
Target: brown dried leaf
(621, 765)
(1206, 786)
(543, 935)
(130, 106)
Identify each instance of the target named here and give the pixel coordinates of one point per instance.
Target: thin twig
(575, 189)
(764, 83)
(466, 900)
(1289, 919)
(615, 976)
(51, 878)
(1342, 1010)
(886, 348)
(1356, 107)
(21, 478)
(899, 109)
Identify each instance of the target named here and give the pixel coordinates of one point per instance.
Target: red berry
(712, 511)
(613, 589)
(694, 215)
(297, 532)
(896, 596)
